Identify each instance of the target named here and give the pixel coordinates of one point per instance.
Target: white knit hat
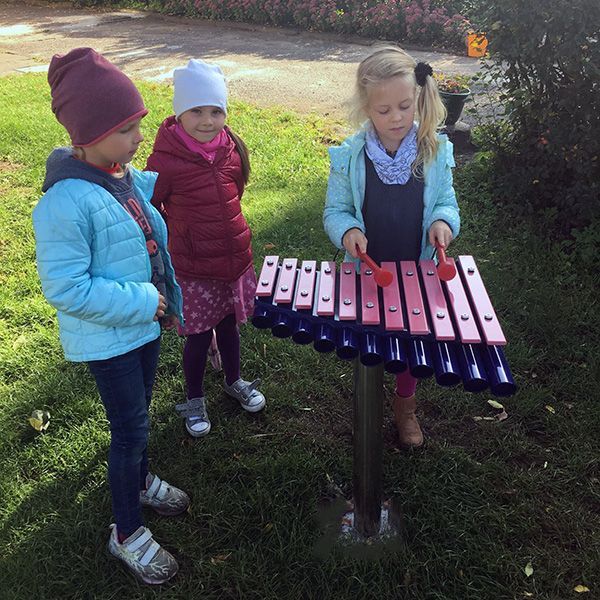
(199, 84)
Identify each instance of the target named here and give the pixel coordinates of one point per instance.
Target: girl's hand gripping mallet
(383, 278)
(446, 268)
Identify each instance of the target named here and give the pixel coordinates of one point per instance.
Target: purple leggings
(195, 353)
(406, 384)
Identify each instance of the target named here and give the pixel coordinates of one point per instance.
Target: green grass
(481, 500)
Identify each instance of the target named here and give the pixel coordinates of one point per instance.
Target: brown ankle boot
(409, 431)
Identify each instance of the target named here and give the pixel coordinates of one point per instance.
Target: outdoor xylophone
(451, 331)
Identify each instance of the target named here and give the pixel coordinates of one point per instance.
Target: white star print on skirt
(206, 302)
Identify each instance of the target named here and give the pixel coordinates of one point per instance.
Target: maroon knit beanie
(91, 98)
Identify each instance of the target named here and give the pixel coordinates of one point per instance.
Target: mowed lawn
(493, 509)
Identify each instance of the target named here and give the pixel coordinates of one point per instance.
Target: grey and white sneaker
(246, 394)
(194, 412)
(144, 557)
(163, 498)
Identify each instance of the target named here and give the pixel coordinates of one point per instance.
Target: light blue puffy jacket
(95, 269)
(346, 191)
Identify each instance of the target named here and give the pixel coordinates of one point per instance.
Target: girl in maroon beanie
(203, 168)
(104, 265)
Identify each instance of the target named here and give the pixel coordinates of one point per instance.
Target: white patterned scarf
(399, 168)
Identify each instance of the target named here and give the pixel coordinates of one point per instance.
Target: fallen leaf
(495, 404)
(501, 416)
(581, 589)
(268, 527)
(220, 558)
(528, 569)
(550, 409)
(269, 246)
(20, 341)
(39, 420)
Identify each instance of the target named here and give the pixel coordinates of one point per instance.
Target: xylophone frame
(368, 372)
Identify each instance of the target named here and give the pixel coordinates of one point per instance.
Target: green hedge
(547, 57)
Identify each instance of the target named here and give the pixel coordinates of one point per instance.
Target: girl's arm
(339, 215)
(446, 207)
(63, 237)
(162, 188)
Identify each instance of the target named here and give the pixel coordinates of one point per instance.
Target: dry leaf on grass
(495, 404)
(220, 558)
(39, 420)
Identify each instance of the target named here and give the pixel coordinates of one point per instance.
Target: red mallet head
(383, 278)
(446, 268)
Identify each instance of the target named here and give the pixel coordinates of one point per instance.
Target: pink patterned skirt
(206, 302)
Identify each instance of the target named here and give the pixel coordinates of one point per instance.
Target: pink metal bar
(438, 309)
(368, 296)
(463, 316)
(392, 302)
(326, 293)
(306, 285)
(417, 319)
(267, 276)
(484, 311)
(347, 299)
(284, 290)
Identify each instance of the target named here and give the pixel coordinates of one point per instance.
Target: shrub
(432, 22)
(548, 152)
(429, 24)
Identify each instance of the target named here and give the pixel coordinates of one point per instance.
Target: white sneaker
(144, 557)
(246, 394)
(197, 422)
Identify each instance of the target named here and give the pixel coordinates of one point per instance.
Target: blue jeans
(125, 385)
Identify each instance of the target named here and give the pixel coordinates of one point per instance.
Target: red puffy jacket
(208, 234)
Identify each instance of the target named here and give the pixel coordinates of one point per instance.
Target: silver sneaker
(144, 557)
(163, 498)
(196, 418)
(246, 394)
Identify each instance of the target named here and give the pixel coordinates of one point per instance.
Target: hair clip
(421, 71)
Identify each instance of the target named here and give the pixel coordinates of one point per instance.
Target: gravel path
(267, 66)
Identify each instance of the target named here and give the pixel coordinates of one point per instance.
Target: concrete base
(389, 527)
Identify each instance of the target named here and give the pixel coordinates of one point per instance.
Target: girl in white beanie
(203, 168)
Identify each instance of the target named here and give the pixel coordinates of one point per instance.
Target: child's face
(203, 123)
(391, 108)
(118, 147)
